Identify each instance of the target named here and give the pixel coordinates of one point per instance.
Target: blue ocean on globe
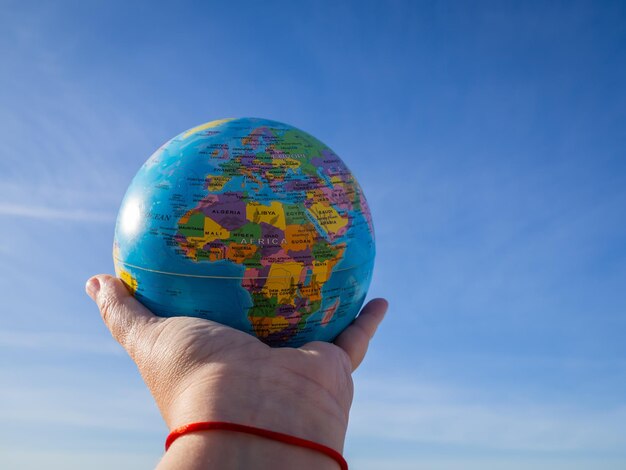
(251, 223)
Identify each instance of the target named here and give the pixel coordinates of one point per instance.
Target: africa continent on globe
(251, 223)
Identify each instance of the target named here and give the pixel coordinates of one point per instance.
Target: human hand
(199, 370)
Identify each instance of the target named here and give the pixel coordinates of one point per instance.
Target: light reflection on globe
(251, 223)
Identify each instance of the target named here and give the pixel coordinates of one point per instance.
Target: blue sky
(488, 137)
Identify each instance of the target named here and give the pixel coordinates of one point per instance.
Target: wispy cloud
(57, 342)
(486, 463)
(62, 380)
(127, 409)
(29, 459)
(52, 213)
(425, 413)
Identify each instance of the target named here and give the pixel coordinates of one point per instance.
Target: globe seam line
(223, 277)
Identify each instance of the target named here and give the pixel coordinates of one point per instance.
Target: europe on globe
(251, 223)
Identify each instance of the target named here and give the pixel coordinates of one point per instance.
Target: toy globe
(251, 223)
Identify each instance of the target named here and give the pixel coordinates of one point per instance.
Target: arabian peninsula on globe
(251, 223)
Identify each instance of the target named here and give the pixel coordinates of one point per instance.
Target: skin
(199, 370)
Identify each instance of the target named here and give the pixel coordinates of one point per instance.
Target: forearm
(225, 450)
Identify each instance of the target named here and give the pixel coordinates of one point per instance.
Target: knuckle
(109, 311)
(362, 331)
(345, 361)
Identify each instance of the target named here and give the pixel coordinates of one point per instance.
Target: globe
(251, 223)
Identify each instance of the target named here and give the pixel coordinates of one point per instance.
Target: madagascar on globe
(251, 223)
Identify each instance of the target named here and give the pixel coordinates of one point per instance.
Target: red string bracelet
(276, 436)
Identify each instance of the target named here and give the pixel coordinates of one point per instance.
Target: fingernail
(92, 288)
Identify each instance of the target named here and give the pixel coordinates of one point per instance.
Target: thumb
(127, 320)
(355, 339)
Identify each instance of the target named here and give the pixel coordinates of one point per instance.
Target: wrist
(300, 409)
(233, 450)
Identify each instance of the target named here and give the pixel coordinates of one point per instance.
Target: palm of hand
(189, 355)
(201, 370)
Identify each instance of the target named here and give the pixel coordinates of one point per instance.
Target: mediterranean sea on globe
(251, 223)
